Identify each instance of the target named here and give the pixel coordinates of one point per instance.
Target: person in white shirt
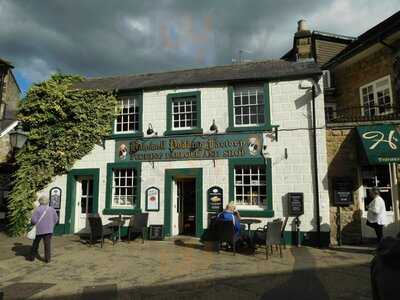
(376, 213)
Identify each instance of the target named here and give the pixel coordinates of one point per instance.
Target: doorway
(84, 202)
(183, 216)
(380, 177)
(82, 198)
(186, 206)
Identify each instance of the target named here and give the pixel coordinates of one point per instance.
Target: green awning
(381, 143)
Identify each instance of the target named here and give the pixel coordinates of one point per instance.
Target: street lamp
(18, 137)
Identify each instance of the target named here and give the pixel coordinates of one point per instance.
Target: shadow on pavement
(21, 249)
(304, 283)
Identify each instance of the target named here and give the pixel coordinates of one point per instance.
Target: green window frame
(138, 133)
(170, 98)
(267, 111)
(268, 211)
(109, 210)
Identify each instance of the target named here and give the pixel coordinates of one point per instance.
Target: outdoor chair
(282, 229)
(138, 225)
(269, 236)
(98, 231)
(226, 233)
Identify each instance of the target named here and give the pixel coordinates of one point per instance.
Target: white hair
(44, 199)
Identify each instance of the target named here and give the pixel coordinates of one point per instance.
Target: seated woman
(231, 214)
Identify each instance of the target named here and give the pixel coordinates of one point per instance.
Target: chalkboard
(342, 191)
(296, 204)
(215, 199)
(156, 232)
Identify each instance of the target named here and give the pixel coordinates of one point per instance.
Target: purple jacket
(48, 222)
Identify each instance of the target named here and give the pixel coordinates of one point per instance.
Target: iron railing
(363, 114)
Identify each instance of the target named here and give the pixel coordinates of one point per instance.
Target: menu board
(55, 198)
(215, 199)
(342, 191)
(296, 204)
(156, 232)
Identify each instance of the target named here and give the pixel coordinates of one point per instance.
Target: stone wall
(350, 76)
(342, 152)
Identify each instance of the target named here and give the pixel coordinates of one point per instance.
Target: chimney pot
(302, 25)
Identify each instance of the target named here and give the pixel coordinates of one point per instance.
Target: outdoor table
(118, 221)
(248, 222)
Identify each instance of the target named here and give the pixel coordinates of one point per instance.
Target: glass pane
(253, 99)
(245, 99)
(237, 100)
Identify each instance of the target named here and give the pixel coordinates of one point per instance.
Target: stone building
(9, 97)
(243, 130)
(361, 92)
(366, 76)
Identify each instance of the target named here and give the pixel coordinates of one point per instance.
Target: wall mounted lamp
(214, 127)
(150, 130)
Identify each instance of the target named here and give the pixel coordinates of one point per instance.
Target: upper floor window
(330, 112)
(376, 97)
(249, 107)
(128, 114)
(183, 113)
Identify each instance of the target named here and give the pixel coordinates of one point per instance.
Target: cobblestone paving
(184, 270)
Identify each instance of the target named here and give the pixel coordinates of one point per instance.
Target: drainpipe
(315, 161)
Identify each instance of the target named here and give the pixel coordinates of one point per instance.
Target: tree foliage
(64, 124)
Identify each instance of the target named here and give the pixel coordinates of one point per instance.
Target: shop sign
(381, 143)
(220, 146)
(152, 199)
(215, 199)
(296, 204)
(342, 191)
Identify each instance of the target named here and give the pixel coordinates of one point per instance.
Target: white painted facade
(290, 109)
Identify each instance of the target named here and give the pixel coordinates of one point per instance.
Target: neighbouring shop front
(379, 159)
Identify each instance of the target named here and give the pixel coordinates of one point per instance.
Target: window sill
(121, 211)
(125, 135)
(186, 131)
(257, 213)
(250, 128)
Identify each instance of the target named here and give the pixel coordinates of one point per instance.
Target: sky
(96, 38)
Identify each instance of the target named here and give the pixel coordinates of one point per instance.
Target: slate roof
(257, 70)
(374, 35)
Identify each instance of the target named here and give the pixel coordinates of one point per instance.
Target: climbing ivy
(64, 124)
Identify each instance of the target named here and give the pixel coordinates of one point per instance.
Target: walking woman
(376, 213)
(45, 218)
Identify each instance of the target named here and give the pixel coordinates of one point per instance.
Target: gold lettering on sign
(379, 137)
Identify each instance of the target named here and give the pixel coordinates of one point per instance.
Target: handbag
(32, 233)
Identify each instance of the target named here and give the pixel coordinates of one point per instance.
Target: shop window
(184, 113)
(123, 188)
(249, 107)
(250, 186)
(377, 176)
(124, 185)
(376, 97)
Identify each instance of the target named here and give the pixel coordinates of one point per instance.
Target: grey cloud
(102, 37)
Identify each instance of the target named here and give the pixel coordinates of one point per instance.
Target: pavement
(180, 268)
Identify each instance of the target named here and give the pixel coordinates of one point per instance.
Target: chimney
(302, 41)
(302, 26)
